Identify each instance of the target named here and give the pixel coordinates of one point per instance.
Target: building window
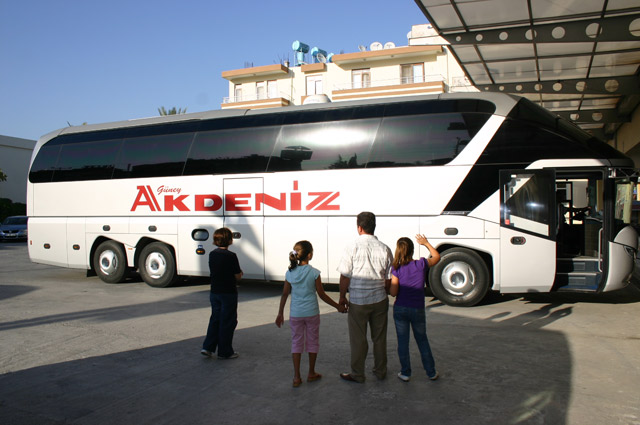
(412, 73)
(237, 93)
(361, 78)
(261, 89)
(314, 84)
(266, 89)
(272, 89)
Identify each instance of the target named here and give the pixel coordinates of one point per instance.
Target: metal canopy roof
(578, 58)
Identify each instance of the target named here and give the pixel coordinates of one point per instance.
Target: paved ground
(74, 350)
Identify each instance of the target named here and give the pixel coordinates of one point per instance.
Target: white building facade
(423, 67)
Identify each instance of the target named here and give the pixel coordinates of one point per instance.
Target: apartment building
(424, 66)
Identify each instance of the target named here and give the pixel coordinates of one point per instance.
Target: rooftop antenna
(362, 48)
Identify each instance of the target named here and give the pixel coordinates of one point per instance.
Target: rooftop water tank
(299, 46)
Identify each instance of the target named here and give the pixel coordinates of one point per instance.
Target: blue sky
(99, 61)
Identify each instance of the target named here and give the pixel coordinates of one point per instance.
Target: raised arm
(435, 255)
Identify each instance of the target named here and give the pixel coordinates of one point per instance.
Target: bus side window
(232, 151)
(87, 161)
(153, 156)
(44, 164)
(324, 145)
(419, 140)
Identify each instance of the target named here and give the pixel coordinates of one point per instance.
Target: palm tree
(172, 111)
(3, 176)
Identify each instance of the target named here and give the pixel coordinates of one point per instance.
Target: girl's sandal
(315, 377)
(297, 382)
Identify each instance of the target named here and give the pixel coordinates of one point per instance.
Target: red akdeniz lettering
(292, 201)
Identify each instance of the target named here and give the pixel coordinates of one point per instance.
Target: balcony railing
(253, 97)
(390, 82)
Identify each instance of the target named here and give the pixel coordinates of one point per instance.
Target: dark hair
(367, 220)
(222, 237)
(404, 253)
(301, 252)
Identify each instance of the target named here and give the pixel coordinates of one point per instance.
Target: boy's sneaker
(403, 378)
(233, 356)
(434, 377)
(206, 352)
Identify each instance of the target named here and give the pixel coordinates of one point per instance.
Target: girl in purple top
(408, 277)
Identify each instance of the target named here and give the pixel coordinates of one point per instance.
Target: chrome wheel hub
(108, 262)
(155, 265)
(458, 278)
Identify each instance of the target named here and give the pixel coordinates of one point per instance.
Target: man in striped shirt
(365, 270)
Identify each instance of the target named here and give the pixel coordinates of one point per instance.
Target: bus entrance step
(577, 265)
(577, 281)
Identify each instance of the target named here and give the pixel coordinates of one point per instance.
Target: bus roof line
(503, 102)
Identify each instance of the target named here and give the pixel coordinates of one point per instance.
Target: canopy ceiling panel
(579, 58)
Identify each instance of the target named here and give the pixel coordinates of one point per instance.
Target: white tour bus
(515, 198)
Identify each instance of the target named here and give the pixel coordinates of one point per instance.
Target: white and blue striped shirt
(367, 263)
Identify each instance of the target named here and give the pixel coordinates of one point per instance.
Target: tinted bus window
(87, 161)
(232, 151)
(324, 145)
(153, 156)
(529, 143)
(43, 165)
(418, 140)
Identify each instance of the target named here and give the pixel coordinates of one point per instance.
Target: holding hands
(343, 305)
(343, 308)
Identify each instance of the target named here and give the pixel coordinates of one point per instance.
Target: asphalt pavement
(74, 350)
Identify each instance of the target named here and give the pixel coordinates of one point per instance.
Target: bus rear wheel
(158, 265)
(110, 262)
(460, 278)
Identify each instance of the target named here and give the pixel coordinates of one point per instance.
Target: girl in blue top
(303, 281)
(408, 277)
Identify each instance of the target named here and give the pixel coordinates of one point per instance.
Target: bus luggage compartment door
(527, 230)
(246, 222)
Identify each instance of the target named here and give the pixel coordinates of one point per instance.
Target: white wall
(15, 156)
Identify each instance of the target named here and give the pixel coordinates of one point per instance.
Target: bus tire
(110, 262)
(157, 265)
(460, 278)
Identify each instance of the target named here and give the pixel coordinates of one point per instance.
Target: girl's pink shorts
(305, 329)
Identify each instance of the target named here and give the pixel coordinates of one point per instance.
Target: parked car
(14, 228)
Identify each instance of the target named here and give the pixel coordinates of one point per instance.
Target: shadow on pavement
(193, 300)
(510, 370)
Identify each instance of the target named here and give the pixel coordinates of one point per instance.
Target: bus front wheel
(110, 262)
(157, 265)
(460, 278)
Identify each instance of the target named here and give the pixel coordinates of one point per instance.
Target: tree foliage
(173, 111)
(3, 176)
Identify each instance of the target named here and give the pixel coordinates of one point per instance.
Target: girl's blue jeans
(416, 318)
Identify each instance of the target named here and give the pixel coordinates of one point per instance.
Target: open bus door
(527, 230)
